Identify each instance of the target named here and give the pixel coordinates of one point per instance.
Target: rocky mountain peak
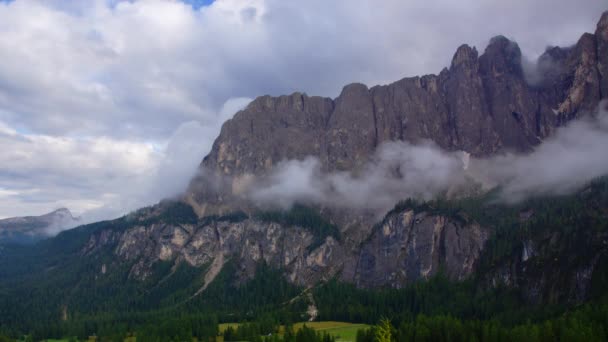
(62, 212)
(464, 55)
(602, 26)
(483, 104)
(353, 91)
(503, 56)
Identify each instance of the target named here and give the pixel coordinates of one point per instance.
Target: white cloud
(397, 171)
(100, 177)
(92, 93)
(152, 65)
(42, 173)
(562, 163)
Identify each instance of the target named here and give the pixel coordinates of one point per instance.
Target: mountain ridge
(187, 253)
(483, 104)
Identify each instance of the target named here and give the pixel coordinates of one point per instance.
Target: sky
(108, 105)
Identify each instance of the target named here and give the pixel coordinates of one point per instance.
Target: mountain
(29, 229)
(483, 104)
(215, 252)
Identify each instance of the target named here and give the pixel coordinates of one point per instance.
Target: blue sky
(198, 3)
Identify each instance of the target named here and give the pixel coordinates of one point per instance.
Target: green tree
(384, 331)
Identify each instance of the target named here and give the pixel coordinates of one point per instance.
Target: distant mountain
(29, 229)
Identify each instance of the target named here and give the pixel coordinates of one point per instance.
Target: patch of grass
(342, 331)
(223, 326)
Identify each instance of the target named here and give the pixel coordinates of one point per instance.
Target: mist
(542, 69)
(563, 163)
(398, 170)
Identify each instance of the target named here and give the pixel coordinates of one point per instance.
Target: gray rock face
(601, 35)
(553, 269)
(410, 246)
(405, 248)
(248, 243)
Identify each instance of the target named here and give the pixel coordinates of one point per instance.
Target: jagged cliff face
(406, 247)
(482, 104)
(410, 246)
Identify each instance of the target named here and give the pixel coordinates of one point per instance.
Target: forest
(34, 305)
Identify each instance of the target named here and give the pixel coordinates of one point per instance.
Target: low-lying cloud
(398, 170)
(575, 155)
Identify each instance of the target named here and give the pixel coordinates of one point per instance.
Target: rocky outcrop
(407, 246)
(248, 243)
(411, 246)
(553, 269)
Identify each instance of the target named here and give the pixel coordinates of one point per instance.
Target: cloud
(100, 177)
(563, 163)
(97, 97)
(172, 171)
(152, 65)
(398, 170)
(41, 173)
(574, 156)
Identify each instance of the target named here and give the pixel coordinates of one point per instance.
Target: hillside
(541, 254)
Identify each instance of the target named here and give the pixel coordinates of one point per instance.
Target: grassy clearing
(223, 326)
(342, 331)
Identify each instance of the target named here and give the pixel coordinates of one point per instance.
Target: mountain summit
(33, 228)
